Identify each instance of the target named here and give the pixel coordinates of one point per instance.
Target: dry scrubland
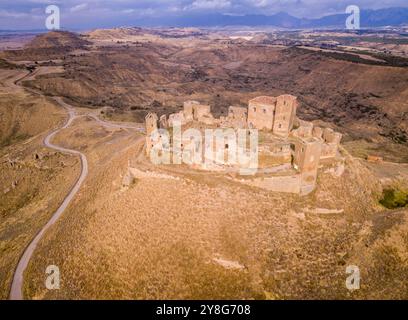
(33, 179)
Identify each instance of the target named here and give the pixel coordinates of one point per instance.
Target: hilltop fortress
(290, 150)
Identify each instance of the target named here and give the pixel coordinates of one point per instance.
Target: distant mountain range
(369, 19)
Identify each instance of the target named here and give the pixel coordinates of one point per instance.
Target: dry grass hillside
(188, 235)
(23, 118)
(115, 34)
(55, 39)
(174, 237)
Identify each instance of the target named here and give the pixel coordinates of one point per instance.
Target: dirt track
(17, 284)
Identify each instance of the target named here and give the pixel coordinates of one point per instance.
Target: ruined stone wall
(201, 111)
(329, 139)
(304, 130)
(156, 140)
(276, 154)
(286, 184)
(329, 150)
(192, 111)
(208, 120)
(330, 136)
(237, 117)
(176, 118)
(331, 143)
(317, 132)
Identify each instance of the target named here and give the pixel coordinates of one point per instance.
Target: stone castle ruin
(290, 150)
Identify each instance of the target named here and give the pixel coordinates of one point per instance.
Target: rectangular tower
(306, 160)
(238, 116)
(189, 110)
(286, 106)
(151, 123)
(261, 113)
(151, 126)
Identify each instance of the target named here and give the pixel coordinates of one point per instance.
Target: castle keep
(290, 150)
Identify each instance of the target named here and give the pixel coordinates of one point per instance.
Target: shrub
(394, 198)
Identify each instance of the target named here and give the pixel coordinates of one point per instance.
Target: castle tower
(151, 123)
(285, 113)
(189, 110)
(306, 160)
(151, 126)
(331, 143)
(261, 113)
(238, 116)
(163, 122)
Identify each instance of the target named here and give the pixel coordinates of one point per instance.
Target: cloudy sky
(84, 14)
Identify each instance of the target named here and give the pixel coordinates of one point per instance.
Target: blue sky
(83, 14)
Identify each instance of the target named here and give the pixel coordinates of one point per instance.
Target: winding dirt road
(16, 291)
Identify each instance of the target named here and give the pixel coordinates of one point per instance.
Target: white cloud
(12, 14)
(209, 4)
(261, 3)
(79, 7)
(128, 11)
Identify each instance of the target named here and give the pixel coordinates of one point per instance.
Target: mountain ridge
(397, 16)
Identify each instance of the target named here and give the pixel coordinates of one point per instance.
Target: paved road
(16, 292)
